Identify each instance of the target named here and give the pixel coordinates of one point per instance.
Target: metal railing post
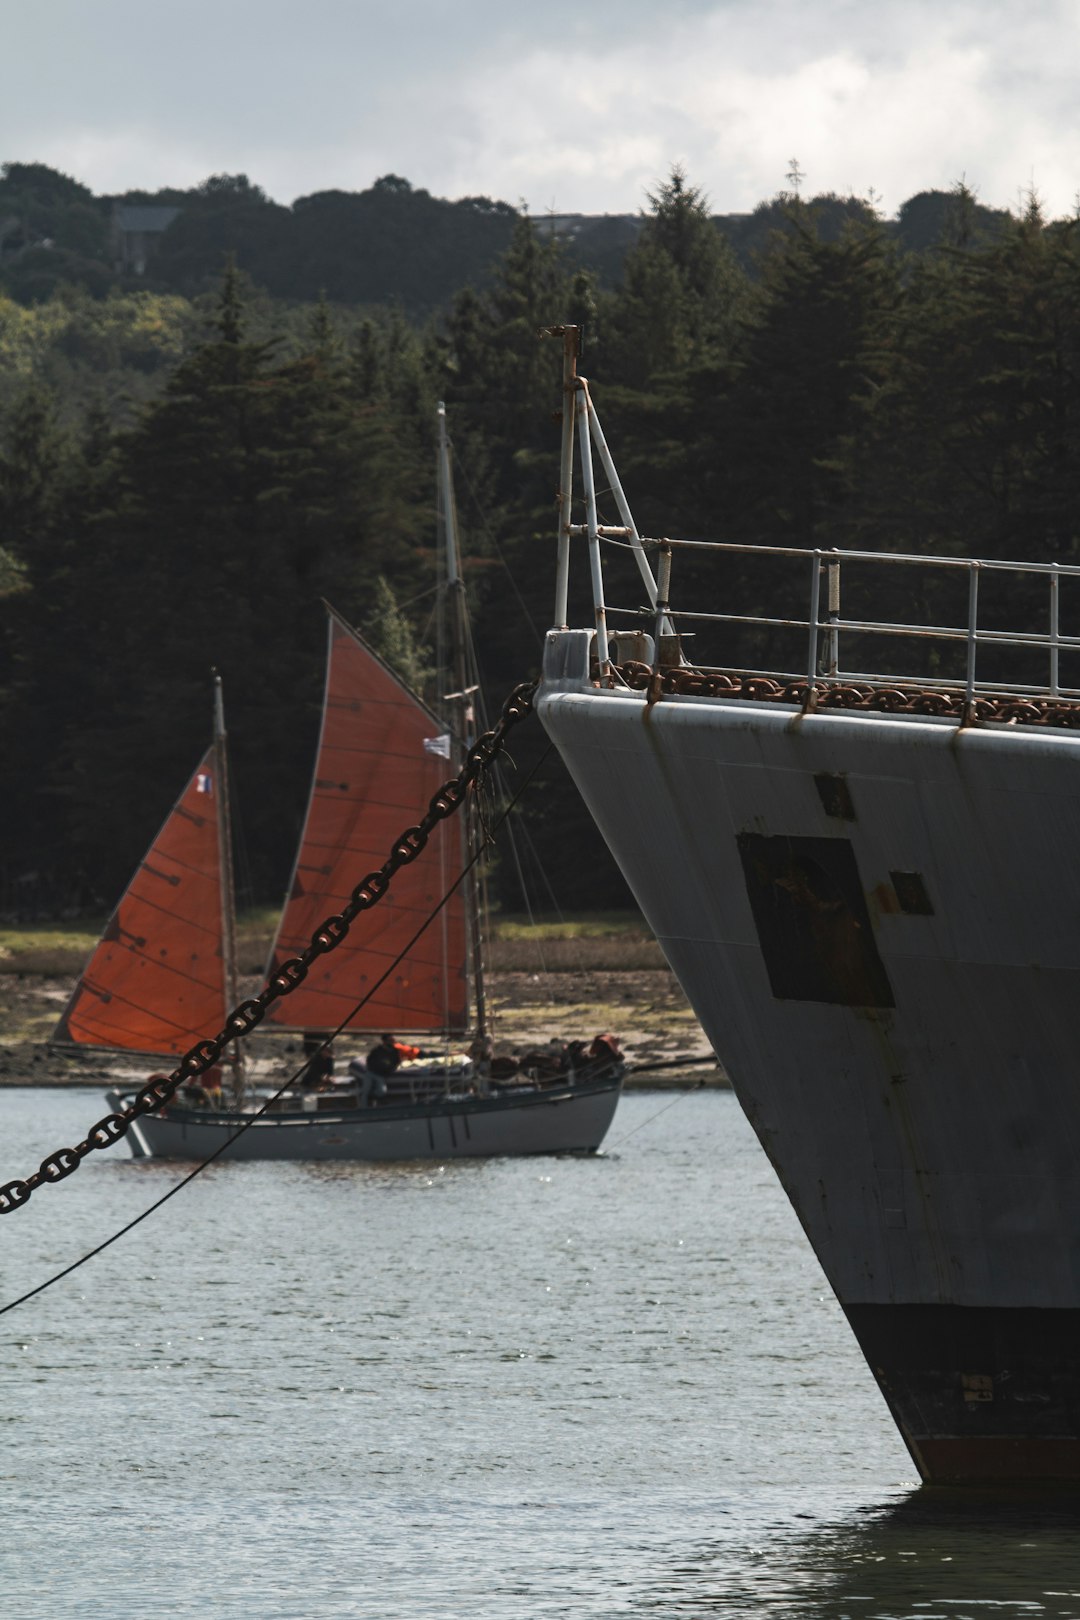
(1055, 632)
(832, 645)
(663, 593)
(972, 636)
(815, 613)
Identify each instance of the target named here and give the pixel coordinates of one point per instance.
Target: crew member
(390, 1054)
(318, 1070)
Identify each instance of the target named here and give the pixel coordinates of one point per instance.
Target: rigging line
(680, 1098)
(487, 529)
(528, 843)
(627, 545)
(425, 634)
(410, 601)
(527, 898)
(329, 1040)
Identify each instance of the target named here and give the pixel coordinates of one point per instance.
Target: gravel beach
(644, 1007)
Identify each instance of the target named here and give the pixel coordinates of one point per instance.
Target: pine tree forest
(184, 480)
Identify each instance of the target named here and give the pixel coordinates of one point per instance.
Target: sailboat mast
(464, 696)
(227, 878)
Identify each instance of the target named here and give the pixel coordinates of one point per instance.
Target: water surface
(566, 1387)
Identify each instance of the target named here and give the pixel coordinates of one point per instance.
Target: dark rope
(682, 1094)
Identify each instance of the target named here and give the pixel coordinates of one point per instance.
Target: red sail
(155, 982)
(374, 777)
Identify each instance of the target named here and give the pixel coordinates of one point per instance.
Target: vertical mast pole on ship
(576, 410)
(227, 879)
(465, 697)
(570, 337)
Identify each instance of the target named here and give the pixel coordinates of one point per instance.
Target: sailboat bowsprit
(163, 976)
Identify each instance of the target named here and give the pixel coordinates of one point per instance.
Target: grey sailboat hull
(560, 1119)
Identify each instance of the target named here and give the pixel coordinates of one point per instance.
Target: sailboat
(164, 971)
(163, 975)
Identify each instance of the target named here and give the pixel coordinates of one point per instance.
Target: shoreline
(644, 1007)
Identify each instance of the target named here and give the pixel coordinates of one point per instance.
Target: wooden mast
(227, 877)
(461, 734)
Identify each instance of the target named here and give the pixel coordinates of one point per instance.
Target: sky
(564, 107)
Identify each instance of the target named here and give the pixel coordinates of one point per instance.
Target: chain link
(291, 973)
(1004, 708)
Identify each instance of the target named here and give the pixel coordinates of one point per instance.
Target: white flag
(438, 745)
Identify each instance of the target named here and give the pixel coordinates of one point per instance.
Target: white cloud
(857, 108)
(899, 96)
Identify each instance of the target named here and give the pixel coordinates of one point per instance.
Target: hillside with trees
(391, 243)
(184, 478)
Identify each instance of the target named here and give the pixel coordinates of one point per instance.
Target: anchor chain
(249, 1014)
(903, 698)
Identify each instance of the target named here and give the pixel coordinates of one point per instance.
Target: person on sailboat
(319, 1069)
(389, 1055)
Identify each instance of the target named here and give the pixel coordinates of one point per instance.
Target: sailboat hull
(566, 1119)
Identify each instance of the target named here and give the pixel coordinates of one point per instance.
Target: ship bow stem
(874, 917)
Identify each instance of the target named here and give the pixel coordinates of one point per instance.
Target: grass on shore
(610, 941)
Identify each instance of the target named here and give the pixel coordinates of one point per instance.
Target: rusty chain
(1003, 708)
(249, 1014)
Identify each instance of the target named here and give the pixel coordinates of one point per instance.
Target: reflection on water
(925, 1554)
(573, 1388)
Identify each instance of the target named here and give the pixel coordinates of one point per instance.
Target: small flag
(438, 745)
(204, 782)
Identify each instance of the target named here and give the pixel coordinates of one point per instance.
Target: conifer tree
(393, 637)
(814, 359)
(252, 490)
(975, 447)
(683, 296)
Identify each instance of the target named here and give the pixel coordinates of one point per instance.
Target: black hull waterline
(562, 1119)
(979, 1394)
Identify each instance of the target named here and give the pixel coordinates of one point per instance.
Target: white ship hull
(877, 921)
(560, 1119)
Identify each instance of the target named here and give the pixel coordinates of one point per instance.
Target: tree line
(840, 392)
(391, 242)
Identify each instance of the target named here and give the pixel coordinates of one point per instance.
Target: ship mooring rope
(608, 1151)
(292, 973)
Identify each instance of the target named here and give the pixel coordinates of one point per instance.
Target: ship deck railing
(826, 630)
(979, 644)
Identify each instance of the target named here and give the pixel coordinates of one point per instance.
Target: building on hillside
(137, 228)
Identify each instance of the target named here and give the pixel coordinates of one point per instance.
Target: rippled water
(583, 1388)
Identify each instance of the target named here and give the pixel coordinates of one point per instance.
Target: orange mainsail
(378, 766)
(155, 982)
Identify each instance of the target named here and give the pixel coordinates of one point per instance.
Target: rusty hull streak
(883, 896)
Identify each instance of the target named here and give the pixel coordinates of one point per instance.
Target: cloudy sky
(575, 105)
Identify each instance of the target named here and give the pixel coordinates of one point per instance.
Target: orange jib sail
(379, 763)
(155, 982)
